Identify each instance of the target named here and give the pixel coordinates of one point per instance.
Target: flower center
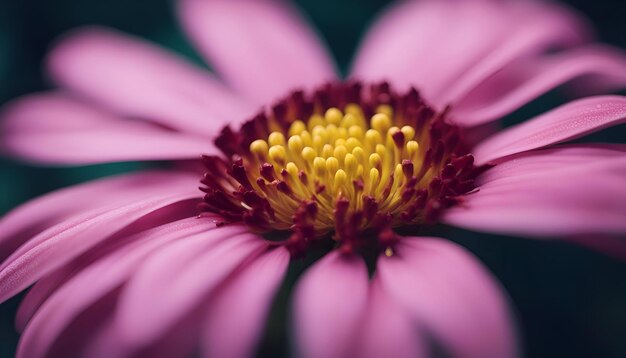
(347, 163)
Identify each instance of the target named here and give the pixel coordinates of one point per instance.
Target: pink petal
(451, 295)
(329, 302)
(518, 84)
(540, 27)
(138, 79)
(567, 122)
(60, 243)
(552, 159)
(530, 197)
(236, 317)
(261, 47)
(441, 45)
(95, 281)
(175, 280)
(387, 330)
(56, 129)
(33, 217)
(43, 288)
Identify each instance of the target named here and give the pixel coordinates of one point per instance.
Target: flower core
(348, 162)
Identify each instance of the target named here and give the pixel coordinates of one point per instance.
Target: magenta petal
(94, 282)
(173, 281)
(261, 47)
(534, 195)
(451, 295)
(34, 216)
(135, 78)
(236, 316)
(399, 43)
(56, 129)
(387, 330)
(540, 27)
(440, 46)
(329, 303)
(540, 162)
(567, 122)
(518, 84)
(60, 243)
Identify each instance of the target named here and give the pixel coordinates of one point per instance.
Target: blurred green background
(570, 302)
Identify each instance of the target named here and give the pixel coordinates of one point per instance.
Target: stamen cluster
(347, 162)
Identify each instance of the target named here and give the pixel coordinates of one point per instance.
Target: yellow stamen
(339, 155)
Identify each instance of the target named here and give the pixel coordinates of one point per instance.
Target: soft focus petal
(443, 45)
(31, 218)
(62, 242)
(451, 295)
(173, 281)
(569, 121)
(124, 239)
(95, 281)
(236, 317)
(56, 129)
(329, 303)
(541, 27)
(518, 84)
(387, 330)
(261, 47)
(532, 195)
(138, 79)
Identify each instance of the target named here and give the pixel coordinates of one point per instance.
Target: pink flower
(125, 266)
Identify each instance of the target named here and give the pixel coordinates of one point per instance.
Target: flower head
(350, 170)
(362, 162)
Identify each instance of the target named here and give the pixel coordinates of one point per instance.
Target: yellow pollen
(308, 154)
(389, 252)
(276, 138)
(319, 164)
(296, 127)
(338, 155)
(409, 132)
(340, 179)
(277, 154)
(381, 122)
(333, 116)
(259, 147)
(295, 144)
(332, 165)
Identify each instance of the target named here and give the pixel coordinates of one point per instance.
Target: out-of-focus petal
(263, 48)
(447, 47)
(62, 242)
(138, 79)
(387, 330)
(451, 295)
(56, 129)
(183, 274)
(519, 83)
(569, 121)
(33, 217)
(534, 195)
(93, 282)
(236, 317)
(329, 303)
(541, 26)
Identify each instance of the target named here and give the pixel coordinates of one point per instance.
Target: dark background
(570, 302)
